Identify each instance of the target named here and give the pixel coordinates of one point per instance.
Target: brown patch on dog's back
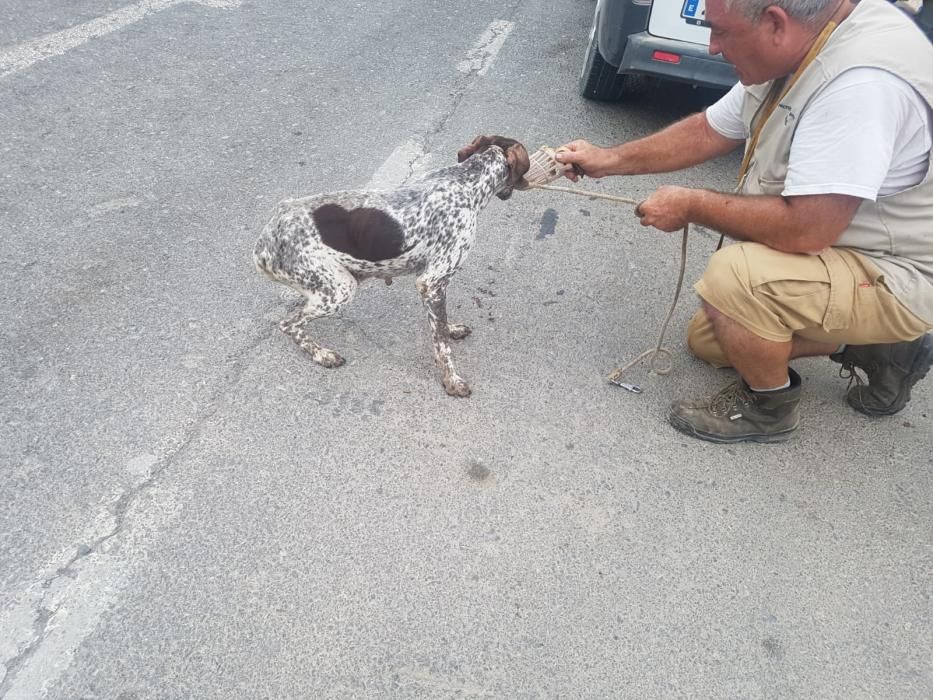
(364, 233)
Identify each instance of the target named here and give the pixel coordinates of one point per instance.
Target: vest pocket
(770, 186)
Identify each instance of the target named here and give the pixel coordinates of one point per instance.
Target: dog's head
(515, 154)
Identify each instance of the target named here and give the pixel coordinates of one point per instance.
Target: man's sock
(774, 388)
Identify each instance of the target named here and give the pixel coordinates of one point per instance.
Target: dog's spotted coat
(324, 245)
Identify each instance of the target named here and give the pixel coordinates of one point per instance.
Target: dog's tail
(265, 254)
(268, 263)
(262, 257)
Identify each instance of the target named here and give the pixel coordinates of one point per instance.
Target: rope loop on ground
(658, 352)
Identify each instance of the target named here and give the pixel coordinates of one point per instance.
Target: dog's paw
(328, 358)
(458, 331)
(456, 386)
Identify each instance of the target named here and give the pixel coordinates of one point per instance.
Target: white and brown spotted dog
(324, 245)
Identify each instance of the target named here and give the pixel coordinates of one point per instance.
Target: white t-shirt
(867, 134)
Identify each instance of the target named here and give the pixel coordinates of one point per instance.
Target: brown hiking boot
(892, 370)
(736, 414)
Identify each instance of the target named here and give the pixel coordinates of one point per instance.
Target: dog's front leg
(434, 295)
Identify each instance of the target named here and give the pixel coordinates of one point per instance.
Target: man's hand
(802, 224)
(592, 161)
(688, 142)
(667, 209)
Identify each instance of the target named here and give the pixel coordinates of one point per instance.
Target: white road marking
(409, 160)
(78, 609)
(76, 603)
(70, 609)
(398, 167)
(483, 54)
(21, 57)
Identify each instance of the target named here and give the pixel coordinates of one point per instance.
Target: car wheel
(600, 80)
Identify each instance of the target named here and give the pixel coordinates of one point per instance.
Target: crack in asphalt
(237, 364)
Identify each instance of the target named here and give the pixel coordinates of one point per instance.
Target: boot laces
(848, 370)
(726, 399)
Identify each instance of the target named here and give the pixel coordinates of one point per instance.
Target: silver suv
(661, 38)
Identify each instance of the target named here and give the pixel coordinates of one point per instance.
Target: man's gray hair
(805, 11)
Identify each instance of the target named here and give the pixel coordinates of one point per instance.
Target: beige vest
(896, 231)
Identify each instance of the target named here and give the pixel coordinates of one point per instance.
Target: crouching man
(833, 214)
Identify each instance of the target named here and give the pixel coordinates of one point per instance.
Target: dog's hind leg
(434, 295)
(323, 300)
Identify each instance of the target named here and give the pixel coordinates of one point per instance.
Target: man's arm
(801, 224)
(688, 142)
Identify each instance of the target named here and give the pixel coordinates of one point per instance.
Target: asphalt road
(193, 509)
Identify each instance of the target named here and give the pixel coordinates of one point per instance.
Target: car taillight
(665, 57)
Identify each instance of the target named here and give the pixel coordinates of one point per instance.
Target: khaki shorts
(836, 297)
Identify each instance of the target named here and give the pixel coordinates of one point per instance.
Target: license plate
(694, 12)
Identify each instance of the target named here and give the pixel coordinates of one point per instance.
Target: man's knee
(727, 273)
(726, 280)
(701, 339)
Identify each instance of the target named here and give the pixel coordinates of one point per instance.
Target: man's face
(748, 45)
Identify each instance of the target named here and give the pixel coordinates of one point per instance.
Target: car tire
(599, 79)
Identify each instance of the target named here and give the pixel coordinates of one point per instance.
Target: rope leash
(544, 168)
(658, 351)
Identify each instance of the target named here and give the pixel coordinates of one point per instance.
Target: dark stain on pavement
(773, 648)
(477, 471)
(548, 224)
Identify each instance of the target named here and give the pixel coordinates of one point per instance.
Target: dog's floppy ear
(480, 143)
(517, 157)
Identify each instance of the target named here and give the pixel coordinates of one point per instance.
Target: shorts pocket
(842, 285)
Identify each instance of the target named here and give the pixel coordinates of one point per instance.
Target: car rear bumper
(696, 65)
